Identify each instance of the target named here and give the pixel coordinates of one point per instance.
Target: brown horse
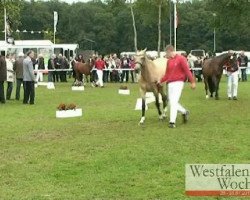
(151, 74)
(212, 70)
(83, 68)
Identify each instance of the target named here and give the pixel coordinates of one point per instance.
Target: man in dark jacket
(3, 76)
(243, 61)
(18, 68)
(29, 79)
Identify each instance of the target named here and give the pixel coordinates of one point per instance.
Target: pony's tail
(210, 85)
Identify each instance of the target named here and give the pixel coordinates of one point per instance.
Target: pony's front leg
(143, 110)
(143, 105)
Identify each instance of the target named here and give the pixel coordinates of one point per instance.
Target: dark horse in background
(212, 70)
(82, 69)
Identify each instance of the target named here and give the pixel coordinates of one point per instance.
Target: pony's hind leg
(206, 87)
(157, 103)
(164, 102)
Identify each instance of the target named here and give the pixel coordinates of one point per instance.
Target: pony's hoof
(162, 117)
(142, 121)
(207, 97)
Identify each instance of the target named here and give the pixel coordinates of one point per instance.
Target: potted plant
(124, 90)
(68, 110)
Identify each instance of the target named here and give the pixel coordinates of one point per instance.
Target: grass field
(105, 154)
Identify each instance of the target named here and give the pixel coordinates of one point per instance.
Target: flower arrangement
(63, 106)
(123, 87)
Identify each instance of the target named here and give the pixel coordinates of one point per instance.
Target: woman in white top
(10, 76)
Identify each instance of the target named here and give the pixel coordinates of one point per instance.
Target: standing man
(99, 65)
(125, 67)
(243, 61)
(232, 81)
(3, 76)
(29, 79)
(18, 68)
(177, 73)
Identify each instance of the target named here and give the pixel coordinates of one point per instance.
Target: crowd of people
(21, 71)
(111, 68)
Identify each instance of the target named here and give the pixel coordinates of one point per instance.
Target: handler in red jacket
(100, 66)
(176, 74)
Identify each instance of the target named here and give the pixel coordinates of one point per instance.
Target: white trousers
(100, 77)
(174, 94)
(39, 76)
(232, 84)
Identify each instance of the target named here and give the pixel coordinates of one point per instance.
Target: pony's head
(232, 61)
(140, 57)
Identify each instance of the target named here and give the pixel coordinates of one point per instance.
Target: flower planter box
(124, 92)
(77, 88)
(69, 113)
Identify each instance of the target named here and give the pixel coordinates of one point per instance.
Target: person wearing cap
(18, 69)
(29, 79)
(177, 72)
(3, 76)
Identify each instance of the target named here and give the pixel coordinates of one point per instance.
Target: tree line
(107, 26)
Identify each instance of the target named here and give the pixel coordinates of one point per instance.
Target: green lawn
(105, 154)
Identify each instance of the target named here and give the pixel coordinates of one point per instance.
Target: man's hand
(193, 85)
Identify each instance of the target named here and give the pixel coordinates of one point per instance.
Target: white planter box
(77, 88)
(51, 86)
(69, 113)
(42, 83)
(138, 105)
(125, 92)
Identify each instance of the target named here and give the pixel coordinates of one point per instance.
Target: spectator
(40, 62)
(57, 68)
(10, 76)
(132, 67)
(18, 68)
(29, 79)
(64, 66)
(124, 66)
(3, 76)
(243, 61)
(51, 66)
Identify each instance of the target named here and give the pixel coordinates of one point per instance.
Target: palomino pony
(83, 68)
(212, 70)
(151, 74)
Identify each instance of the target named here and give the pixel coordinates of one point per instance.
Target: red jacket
(100, 64)
(177, 70)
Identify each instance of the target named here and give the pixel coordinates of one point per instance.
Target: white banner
(55, 20)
